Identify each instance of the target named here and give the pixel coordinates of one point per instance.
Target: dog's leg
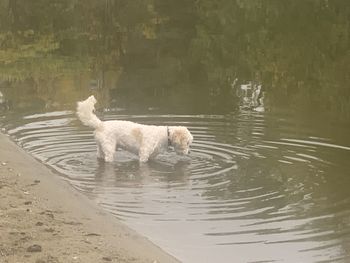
(109, 150)
(144, 154)
(146, 150)
(100, 154)
(144, 158)
(109, 156)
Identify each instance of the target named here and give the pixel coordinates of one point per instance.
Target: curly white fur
(145, 140)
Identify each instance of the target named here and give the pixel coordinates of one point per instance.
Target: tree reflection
(181, 54)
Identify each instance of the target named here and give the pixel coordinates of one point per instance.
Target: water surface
(260, 182)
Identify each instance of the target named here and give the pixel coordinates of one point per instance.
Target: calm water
(262, 85)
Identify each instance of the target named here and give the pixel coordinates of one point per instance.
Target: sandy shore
(42, 219)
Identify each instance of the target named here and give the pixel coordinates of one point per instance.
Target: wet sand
(43, 219)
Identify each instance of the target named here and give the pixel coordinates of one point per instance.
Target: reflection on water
(166, 53)
(266, 174)
(253, 182)
(251, 96)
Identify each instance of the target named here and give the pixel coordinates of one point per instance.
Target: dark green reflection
(180, 55)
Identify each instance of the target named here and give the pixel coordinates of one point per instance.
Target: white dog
(145, 140)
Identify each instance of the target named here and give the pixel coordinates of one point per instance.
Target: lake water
(263, 87)
(261, 182)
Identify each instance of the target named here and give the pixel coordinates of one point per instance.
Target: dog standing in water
(147, 141)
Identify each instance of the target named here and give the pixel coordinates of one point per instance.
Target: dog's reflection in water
(132, 173)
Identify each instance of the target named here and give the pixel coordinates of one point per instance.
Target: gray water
(262, 85)
(256, 186)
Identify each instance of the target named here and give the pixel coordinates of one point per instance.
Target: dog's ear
(176, 136)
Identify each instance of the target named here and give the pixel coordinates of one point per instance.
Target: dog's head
(180, 139)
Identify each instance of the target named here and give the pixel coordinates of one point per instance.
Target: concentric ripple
(252, 182)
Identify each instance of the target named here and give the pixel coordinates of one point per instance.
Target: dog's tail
(85, 112)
